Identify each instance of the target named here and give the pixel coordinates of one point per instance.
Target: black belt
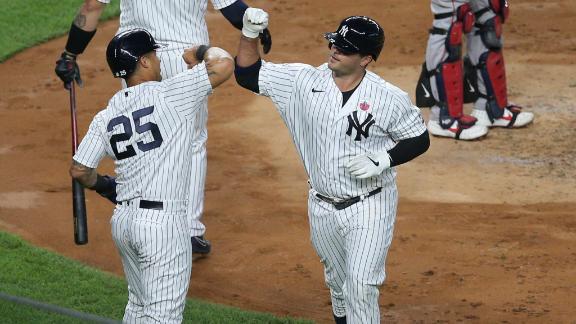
(341, 204)
(145, 204)
(443, 15)
(437, 31)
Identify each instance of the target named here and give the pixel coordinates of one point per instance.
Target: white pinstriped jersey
(151, 132)
(177, 23)
(327, 135)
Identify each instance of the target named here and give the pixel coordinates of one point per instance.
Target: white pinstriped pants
(171, 63)
(352, 245)
(156, 255)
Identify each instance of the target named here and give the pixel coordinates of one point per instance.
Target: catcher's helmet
(126, 48)
(358, 34)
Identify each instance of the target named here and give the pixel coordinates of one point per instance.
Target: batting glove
(368, 165)
(67, 69)
(254, 22)
(266, 40)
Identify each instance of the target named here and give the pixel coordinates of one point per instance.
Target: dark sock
(340, 320)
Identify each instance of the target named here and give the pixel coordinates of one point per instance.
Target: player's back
(150, 131)
(178, 23)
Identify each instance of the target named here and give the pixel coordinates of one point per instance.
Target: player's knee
(363, 289)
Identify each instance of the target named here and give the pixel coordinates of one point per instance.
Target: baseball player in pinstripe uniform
(447, 81)
(150, 129)
(350, 128)
(179, 24)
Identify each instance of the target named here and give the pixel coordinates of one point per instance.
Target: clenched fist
(254, 22)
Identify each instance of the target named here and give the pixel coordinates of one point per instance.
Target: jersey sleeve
(407, 121)
(276, 81)
(219, 4)
(186, 90)
(93, 146)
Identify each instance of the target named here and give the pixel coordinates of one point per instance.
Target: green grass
(14, 313)
(24, 23)
(44, 276)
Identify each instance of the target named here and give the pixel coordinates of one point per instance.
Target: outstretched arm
(248, 61)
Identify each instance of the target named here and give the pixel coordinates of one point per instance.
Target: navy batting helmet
(126, 48)
(358, 34)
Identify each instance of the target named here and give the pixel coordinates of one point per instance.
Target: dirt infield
(486, 231)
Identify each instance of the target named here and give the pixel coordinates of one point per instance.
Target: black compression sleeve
(78, 39)
(104, 184)
(234, 13)
(247, 77)
(408, 149)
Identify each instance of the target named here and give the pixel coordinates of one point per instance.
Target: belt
(437, 31)
(444, 15)
(341, 204)
(145, 204)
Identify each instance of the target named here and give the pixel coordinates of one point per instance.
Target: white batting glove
(368, 165)
(254, 22)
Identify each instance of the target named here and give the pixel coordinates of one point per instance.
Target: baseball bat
(78, 199)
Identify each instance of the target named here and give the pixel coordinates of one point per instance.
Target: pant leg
(198, 178)
(475, 47)
(171, 63)
(165, 259)
(328, 242)
(370, 226)
(120, 224)
(436, 47)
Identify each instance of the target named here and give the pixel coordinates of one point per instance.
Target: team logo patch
(362, 128)
(364, 106)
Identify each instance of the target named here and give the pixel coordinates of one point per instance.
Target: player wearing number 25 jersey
(149, 130)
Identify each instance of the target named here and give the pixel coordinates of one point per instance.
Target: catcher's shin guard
(450, 92)
(493, 73)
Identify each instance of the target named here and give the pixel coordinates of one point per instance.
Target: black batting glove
(67, 69)
(266, 40)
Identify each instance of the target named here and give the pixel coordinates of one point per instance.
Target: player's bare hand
(189, 56)
(368, 165)
(254, 22)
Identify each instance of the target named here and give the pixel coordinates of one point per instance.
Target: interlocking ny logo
(343, 31)
(361, 128)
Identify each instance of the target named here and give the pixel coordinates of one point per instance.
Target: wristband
(78, 39)
(103, 184)
(201, 51)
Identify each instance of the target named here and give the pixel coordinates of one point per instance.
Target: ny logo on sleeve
(362, 129)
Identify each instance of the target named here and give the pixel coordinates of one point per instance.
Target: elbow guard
(247, 77)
